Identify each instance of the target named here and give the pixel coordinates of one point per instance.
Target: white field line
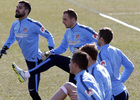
(125, 13)
(105, 16)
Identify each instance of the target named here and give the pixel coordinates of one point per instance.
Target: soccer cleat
(20, 73)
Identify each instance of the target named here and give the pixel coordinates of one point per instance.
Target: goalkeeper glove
(3, 51)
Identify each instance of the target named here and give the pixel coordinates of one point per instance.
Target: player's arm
(62, 47)
(9, 41)
(89, 91)
(128, 68)
(104, 61)
(50, 39)
(59, 50)
(40, 29)
(90, 35)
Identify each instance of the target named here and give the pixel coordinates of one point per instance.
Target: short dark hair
(81, 59)
(27, 5)
(107, 34)
(71, 13)
(91, 50)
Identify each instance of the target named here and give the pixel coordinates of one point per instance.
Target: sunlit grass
(49, 13)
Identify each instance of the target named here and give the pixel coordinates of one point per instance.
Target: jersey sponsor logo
(42, 29)
(90, 92)
(77, 36)
(73, 42)
(103, 63)
(21, 35)
(24, 30)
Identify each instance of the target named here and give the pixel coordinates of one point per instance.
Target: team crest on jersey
(77, 36)
(24, 30)
(42, 29)
(103, 63)
(95, 36)
(90, 92)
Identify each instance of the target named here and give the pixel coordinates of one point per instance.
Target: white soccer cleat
(20, 73)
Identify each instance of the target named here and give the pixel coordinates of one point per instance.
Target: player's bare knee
(70, 87)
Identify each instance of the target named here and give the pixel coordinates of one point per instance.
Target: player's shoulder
(86, 28)
(67, 30)
(102, 71)
(101, 68)
(15, 22)
(98, 68)
(114, 49)
(34, 22)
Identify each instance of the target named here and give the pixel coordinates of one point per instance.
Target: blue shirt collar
(105, 46)
(23, 20)
(92, 66)
(75, 27)
(79, 74)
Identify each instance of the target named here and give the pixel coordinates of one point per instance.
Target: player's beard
(19, 15)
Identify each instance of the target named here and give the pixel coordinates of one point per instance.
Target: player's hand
(45, 55)
(3, 51)
(73, 95)
(50, 47)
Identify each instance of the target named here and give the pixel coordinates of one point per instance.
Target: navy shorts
(122, 96)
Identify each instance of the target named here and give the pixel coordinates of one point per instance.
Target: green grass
(49, 13)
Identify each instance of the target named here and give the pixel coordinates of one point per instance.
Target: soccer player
(99, 72)
(75, 36)
(26, 31)
(112, 58)
(87, 87)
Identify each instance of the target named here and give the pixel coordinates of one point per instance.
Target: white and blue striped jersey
(87, 87)
(75, 38)
(112, 59)
(26, 32)
(102, 77)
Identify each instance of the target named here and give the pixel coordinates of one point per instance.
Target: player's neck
(73, 25)
(21, 18)
(91, 62)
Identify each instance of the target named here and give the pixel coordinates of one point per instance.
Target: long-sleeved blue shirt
(75, 38)
(112, 58)
(102, 77)
(26, 32)
(87, 87)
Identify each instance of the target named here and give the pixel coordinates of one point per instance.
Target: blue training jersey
(102, 77)
(26, 32)
(112, 58)
(75, 38)
(87, 87)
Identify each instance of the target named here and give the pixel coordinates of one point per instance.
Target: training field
(90, 13)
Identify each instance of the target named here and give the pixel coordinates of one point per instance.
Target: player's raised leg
(20, 73)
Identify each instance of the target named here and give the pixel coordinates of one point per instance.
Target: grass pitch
(49, 13)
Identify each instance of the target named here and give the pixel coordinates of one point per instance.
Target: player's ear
(73, 19)
(101, 38)
(27, 11)
(75, 65)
